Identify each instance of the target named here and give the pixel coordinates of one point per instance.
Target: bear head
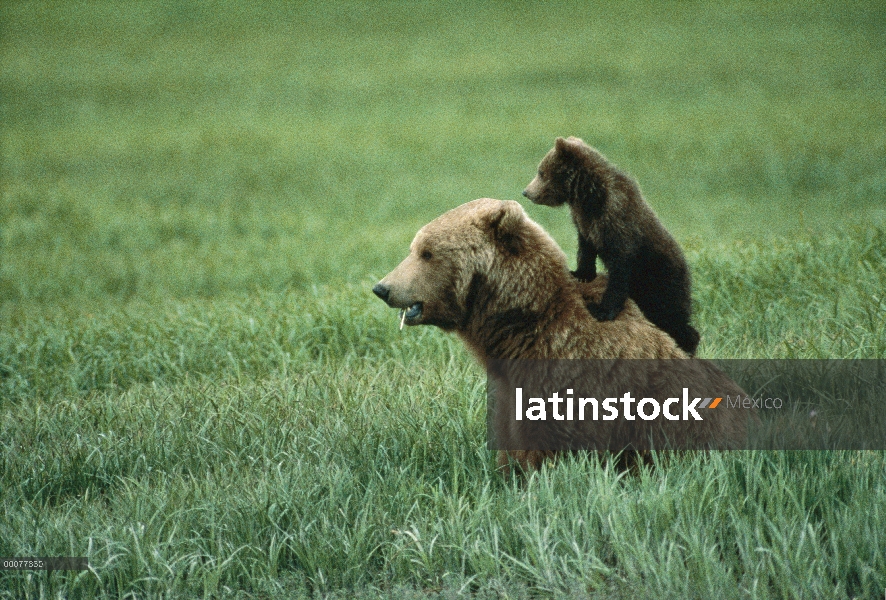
(559, 173)
(476, 256)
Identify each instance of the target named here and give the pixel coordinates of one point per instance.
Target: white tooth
(402, 318)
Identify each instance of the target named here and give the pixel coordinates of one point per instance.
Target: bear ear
(568, 147)
(504, 225)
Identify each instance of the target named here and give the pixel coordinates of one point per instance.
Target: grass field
(199, 392)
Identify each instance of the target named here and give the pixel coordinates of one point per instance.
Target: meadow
(199, 392)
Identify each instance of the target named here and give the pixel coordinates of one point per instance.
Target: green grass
(199, 392)
(157, 149)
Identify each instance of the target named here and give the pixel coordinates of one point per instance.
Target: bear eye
(426, 255)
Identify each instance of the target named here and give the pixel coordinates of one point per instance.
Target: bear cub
(614, 222)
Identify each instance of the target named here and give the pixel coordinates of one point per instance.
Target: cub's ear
(504, 225)
(570, 147)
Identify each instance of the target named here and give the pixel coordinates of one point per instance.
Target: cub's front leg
(587, 260)
(613, 300)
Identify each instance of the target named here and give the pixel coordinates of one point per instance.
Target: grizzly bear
(487, 272)
(643, 261)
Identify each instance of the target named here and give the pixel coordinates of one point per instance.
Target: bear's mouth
(410, 314)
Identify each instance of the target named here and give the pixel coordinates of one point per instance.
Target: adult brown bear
(489, 273)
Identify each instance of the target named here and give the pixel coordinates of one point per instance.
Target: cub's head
(558, 172)
(466, 260)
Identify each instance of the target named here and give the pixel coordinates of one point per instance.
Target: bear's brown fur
(489, 273)
(643, 260)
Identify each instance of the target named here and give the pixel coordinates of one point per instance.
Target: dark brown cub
(614, 222)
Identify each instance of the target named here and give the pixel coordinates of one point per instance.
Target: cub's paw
(600, 313)
(583, 277)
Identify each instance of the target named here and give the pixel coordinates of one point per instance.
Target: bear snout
(533, 191)
(382, 291)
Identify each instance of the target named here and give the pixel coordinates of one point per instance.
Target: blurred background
(193, 149)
